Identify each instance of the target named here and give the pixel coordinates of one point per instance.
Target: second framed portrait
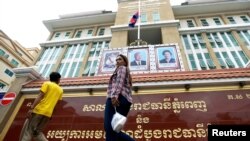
(138, 59)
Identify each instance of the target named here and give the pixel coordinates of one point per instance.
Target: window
(67, 34)
(2, 85)
(210, 62)
(156, 16)
(14, 62)
(57, 35)
(1, 52)
(229, 62)
(244, 19)
(237, 59)
(78, 34)
(90, 32)
(101, 32)
(201, 61)
(187, 45)
(192, 62)
(243, 56)
(225, 39)
(190, 23)
(8, 72)
(221, 61)
(204, 22)
(243, 39)
(143, 18)
(232, 39)
(231, 20)
(217, 21)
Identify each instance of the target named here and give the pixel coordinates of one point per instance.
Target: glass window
(2, 85)
(57, 34)
(217, 21)
(8, 72)
(143, 18)
(190, 23)
(236, 58)
(245, 19)
(231, 20)
(243, 39)
(67, 34)
(232, 39)
(1, 52)
(192, 61)
(14, 62)
(221, 61)
(229, 62)
(210, 62)
(243, 56)
(90, 32)
(156, 16)
(204, 22)
(225, 39)
(78, 34)
(187, 45)
(87, 68)
(101, 32)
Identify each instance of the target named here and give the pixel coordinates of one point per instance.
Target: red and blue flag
(133, 20)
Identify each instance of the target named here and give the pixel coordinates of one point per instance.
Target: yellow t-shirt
(52, 93)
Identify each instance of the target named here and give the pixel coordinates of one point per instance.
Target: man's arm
(37, 100)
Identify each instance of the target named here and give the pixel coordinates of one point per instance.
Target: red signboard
(8, 98)
(153, 117)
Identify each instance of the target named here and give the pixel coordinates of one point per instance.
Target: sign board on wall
(153, 117)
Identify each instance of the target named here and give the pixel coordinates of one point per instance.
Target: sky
(22, 20)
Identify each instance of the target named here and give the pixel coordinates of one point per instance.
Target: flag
(133, 20)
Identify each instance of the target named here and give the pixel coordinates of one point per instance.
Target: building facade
(206, 81)
(13, 55)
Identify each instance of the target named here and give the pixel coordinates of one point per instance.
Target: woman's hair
(127, 66)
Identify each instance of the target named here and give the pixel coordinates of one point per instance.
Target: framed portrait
(167, 58)
(108, 61)
(138, 59)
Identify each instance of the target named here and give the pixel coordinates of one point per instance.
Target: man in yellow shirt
(42, 109)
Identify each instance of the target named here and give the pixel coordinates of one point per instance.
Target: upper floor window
(190, 23)
(57, 35)
(101, 31)
(156, 16)
(204, 22)
(14, 62)
(1, 52)
(217, 21)
(143, 18)
(245, 19)
(90, 32)
(8, 72)
(231, 20)
(67, 34)
(78, 34)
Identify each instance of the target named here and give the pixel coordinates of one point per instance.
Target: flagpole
(139, 22)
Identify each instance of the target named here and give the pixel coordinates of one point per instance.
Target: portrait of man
(167, 57)
(137, 60)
